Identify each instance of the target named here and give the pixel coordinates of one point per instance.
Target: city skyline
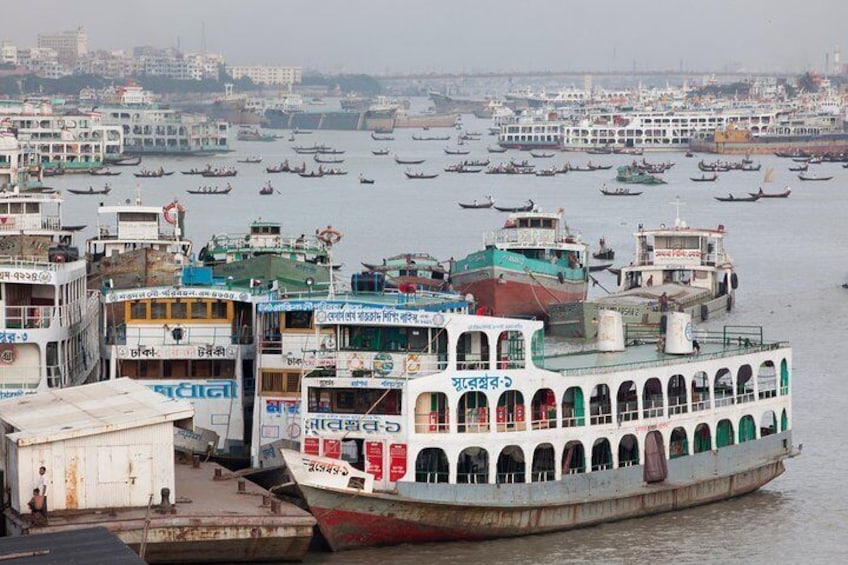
(385, 37)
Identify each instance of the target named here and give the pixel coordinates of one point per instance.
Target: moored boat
(482, 436)
(676, 268)
(533, 261)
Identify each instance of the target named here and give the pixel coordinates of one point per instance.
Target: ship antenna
(678, 223)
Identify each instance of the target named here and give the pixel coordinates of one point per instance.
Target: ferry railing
(653, 408)
(29, 317)
(680, 408)
(30, 262)
(745, 397)
(429, 423)
(431, 477)
(573, 422)
(528, 237)
(627, 411)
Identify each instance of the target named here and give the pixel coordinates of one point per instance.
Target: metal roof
(88, 545)
(86, 410)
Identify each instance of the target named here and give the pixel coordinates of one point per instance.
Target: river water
(790, 255)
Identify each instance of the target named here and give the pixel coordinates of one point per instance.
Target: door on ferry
(656, 467)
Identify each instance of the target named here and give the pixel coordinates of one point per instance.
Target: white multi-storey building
(267, 75)
(69, 45)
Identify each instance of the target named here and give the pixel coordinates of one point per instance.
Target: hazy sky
(398, 36)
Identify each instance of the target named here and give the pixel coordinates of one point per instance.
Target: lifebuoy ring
(168, 212)
(734, 281)
(705, 312)
(330, 236)
(202, 254)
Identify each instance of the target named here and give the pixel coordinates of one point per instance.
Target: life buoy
(705, 312)
(168, 212)
(734, 281)
(330, 236)
(202, 254)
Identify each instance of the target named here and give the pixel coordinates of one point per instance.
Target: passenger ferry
(676, 268)
(292, 342)
(533, 261)
(661, 131)
(48, 317)
(72, 142)
(153, 129)
(488, 438)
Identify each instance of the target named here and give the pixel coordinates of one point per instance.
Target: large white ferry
(676, 267)
(149, 128)
(488, 438)
(77, 142)
(48, 317)
(662, 131)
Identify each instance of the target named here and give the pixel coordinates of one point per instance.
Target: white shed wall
(113, 470)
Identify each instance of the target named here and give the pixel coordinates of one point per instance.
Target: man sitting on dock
(38, 506)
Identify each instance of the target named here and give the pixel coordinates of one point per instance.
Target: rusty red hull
(349, 522)
(522, 298)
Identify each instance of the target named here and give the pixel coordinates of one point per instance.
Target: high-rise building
(69, 45)
(266, 75)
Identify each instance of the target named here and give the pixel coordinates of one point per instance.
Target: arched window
(745, 384)
(702, 438)
(600, 407)
(652, 399)
(572, 408)
(700, 392)
(768, 423)
(472, 414)
(544, 466)
(679, 445)
(511, 353)
(677, 401)
(747, 429)
(472, 352)
(724, 433)
(656, 464)
(601, 455)
(510, 465)
(784, 377)
(573, 458)
(766, 380)
(723, 388)
(431, 413)
(628, 451)
(544, 409)
(473, 466)
(627, 402)
(510, 411)
(431, 466)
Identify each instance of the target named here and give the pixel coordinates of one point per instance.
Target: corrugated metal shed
(86, 546)
(86, 410)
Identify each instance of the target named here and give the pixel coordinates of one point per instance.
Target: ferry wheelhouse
(676, 268)
(488, 438)
(533, 261)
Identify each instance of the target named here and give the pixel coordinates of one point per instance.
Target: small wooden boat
(193, 172)
(91, 190)
(400, 161)
(592, 167)
(800, 168)
(379, 151)
(705, 178)
(318, 159)
(488, 203)
(430, 138)
(267, 189)
(363, 180)
(604, 253)
(731, 198)
(450, 151)
(376, 137)
(312, 174)
(333, 172)
(153, 174)
(104, 173)
(541, 155)
(210, 190)
(620, 192)
(495, 149)
(214, 173)
(126, 161)
(761, 194)
(526, 208)
(420, 175)
(802, 176)
(251, 160)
